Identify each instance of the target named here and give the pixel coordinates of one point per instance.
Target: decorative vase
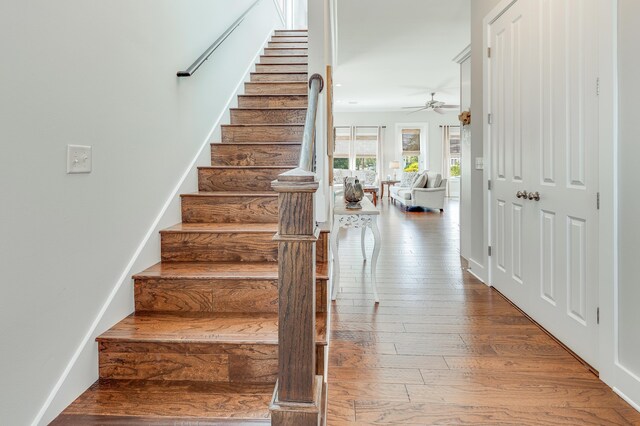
(353, 193)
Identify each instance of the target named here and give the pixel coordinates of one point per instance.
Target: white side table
(367, 217)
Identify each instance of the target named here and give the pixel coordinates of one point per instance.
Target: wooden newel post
(297, 397)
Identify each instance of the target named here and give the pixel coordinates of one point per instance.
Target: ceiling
(392, 54)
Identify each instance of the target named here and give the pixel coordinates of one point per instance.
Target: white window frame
(424, 161)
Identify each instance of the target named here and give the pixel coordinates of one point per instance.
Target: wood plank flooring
(443, 348)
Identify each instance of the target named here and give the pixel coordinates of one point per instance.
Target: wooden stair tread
(277, 82)
(286, 167)
(122, 402)
(219, 271)
(228, 228)
(223, 228)
(269, 109)
(250, 95)
(261, 143)
(265, 125)
(209, 328)
(230, 193)
(257, 143)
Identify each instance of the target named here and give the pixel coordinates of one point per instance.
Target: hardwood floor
(443, 348)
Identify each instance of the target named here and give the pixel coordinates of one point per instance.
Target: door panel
(509, 38)
(543, 140)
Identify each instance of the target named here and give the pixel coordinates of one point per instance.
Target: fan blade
(418, 110)
(449, 106)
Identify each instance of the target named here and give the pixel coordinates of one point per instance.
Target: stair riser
(195, 362)
(223, 154)
(264, 59)
(274, 116)
(275, 77)
(262, 133)
(288, 45)
(256, 295)
(289, 39)
(274, 51)
(276, 68)
(249, 180)
(230, 209)
(299, 88)
(218, 247)
(277, 101)
(292, 33)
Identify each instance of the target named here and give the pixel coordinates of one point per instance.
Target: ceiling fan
(433, 105)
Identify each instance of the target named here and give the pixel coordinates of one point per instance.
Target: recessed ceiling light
(338, 84)
(353, 102)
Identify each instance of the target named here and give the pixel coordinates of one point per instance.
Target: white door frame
(612, 372)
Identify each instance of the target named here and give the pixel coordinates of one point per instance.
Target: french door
(543, 137)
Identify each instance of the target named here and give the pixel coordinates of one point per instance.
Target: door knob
(522, 194)
(534, 196)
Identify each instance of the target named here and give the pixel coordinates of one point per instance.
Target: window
(366, 148)
(341, 153)
(356, 148)
(454, 150)
(411, 149)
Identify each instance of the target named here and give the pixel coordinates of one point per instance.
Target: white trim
(475, 266)
(280, 12)
(125, 276)
(608, 187)
(333, 13)
(626, 398)
(463, 56)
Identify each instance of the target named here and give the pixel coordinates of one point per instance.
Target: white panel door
(547, 102)
(510, 69)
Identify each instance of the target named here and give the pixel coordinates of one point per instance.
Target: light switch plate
(479, 163)
(78, 159)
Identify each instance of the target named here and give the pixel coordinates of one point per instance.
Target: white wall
(628, 296)
(479, 232)
(467, 163)
(101, 74)
(391, 149)
(320, 54)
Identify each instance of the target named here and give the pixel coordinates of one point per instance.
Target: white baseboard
(627, 385)
(629, 401)
(477, 270)
(125, 275)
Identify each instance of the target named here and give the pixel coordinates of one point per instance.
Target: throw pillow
(370, 177)
(407, 179)
(434, 180)
(420, 181)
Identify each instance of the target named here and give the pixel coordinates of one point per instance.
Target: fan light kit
(433, 105)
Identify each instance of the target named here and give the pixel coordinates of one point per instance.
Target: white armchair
(431, 197)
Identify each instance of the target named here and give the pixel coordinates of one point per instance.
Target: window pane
(366, 163)
(410, 163)
(341, 163)
(366, 148)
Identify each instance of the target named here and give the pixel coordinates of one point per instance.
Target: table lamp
(394, 165)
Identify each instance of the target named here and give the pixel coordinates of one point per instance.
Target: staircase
(202, 345)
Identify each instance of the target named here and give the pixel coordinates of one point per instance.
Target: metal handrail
(201, 60)
(316, 84)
